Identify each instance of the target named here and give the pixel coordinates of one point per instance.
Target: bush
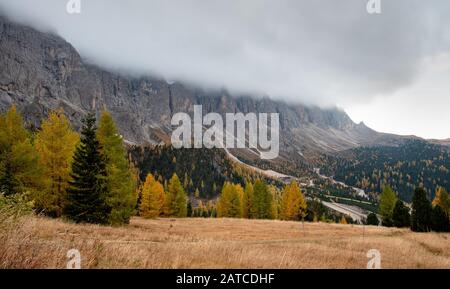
(372, 219)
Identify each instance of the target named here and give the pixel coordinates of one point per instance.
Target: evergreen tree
(387, 204)
(86, 196)
(20, 171)
(372, 220)
(189, 209)
(293, 204)
(122, 197)
(262, 201)
(55, 144)
(421, 211)
(152, 198)
(401, 217)
(176, 201)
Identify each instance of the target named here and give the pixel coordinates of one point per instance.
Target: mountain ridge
(41, 71)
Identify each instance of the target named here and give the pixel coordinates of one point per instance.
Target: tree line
(423, 216)
(254, 201)
(83, 177)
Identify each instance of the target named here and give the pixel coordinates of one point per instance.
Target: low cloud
(323, 52)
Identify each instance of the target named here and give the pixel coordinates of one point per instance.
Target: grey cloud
(315, 51)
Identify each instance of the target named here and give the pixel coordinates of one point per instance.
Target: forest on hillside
(201, 170)
(403, 168)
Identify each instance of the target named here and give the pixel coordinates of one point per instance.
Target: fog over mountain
(316, 52)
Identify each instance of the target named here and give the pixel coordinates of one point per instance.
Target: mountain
(41, 71)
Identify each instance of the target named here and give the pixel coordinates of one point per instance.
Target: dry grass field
(217, 243)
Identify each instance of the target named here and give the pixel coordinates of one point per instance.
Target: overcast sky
(391, 71)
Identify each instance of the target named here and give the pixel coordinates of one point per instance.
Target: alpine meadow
(224, 135)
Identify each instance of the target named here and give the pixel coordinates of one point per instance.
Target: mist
(321, 52)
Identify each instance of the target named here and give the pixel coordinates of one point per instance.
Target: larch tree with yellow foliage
(55, 144)
(121, 183)
(20, 171)
(293, 204)
(176, 199)
(229, 204)
(343, 221)
(442, 200)
(152, 198)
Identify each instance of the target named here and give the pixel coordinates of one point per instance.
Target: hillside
(218, 243)
(403, 168)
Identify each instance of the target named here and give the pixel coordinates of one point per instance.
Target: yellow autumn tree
(55, 144)
(293, 204)
(229, 204)
(442, 200)
(20, 171)
(343, 221)
(121, 183)
(152, 198)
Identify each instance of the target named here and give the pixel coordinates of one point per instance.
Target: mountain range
(40, 71)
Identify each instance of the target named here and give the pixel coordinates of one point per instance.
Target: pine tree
(20, 171)
(293, 204)
(121, 184)
(153, 197)
(176, 200)
(55, 144)
(401, 217)
(387, 204)
(262, 201)
(86, 196)
(421, 211)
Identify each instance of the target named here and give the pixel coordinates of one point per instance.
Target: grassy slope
(218, 243)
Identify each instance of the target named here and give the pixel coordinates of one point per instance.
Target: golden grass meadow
(38, 242)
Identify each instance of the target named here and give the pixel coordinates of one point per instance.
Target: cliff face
(40, 72)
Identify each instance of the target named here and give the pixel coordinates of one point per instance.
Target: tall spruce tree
(87, 193)
(122, 197)
(421, 211)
